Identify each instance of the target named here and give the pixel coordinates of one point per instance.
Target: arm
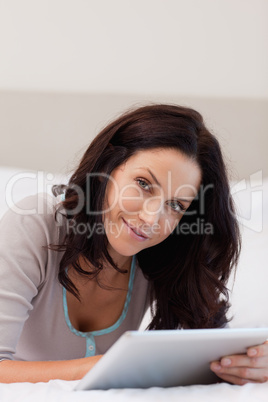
(22, 272)
(242, 369)
(20, 371)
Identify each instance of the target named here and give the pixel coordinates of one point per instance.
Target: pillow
(16, 184)
(249, 295)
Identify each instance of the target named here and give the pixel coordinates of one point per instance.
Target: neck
(123, 262)
(124, 265)
(109, 276)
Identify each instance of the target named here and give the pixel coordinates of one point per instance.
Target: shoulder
(40, 203)
(33, 215)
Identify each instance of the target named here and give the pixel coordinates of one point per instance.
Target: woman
(146, 219)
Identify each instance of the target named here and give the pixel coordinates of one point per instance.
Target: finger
(256, 356)
(244, 361)
(246, 373)
(258, 350)
(234, 380)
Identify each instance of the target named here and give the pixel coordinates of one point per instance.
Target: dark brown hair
(187, 272)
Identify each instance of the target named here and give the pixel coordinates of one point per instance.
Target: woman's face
(146, 198)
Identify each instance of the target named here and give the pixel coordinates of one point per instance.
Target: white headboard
(50, 131)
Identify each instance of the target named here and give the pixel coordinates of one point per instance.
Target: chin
(123, 250)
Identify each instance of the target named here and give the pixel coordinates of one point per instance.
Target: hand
(242, 369)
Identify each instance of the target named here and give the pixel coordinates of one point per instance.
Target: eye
(176, 206)
(143, 184)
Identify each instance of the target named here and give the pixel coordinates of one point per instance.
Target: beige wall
(206, 48)
(67, 67)
(51, 131)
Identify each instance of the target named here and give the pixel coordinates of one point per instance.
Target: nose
(150, 212)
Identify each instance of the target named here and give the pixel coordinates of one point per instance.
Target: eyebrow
(157, 182)
(153, 177)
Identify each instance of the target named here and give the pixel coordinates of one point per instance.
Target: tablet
(167, 358)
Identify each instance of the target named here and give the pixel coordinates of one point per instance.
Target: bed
(249, 298)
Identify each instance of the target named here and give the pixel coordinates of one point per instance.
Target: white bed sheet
(62, 391)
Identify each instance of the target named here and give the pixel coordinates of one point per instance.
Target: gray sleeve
(22, 268)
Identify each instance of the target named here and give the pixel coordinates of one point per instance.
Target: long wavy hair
(188, 271)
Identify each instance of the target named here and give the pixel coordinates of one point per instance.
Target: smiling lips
(141, 235)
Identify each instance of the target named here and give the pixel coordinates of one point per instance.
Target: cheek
(130, 200)
(110, 198)
(130, 206)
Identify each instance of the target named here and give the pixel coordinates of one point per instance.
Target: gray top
(34, 321)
